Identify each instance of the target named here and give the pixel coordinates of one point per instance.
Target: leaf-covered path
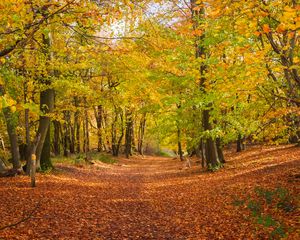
(148, 198)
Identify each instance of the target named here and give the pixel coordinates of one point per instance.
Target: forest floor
(255, 196)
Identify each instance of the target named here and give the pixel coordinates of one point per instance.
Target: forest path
(145, 198)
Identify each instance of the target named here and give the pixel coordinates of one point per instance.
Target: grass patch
(61, 159)
(163, 154)
(106, 159)
(81, 159)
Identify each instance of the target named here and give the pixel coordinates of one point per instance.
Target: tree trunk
(203, 158)
(86, 141)
(46, 105)
(72, 137)
(77, 126)
(220, 150)
(3, 167)
(27, 125)
(180, 153)
(128, 134)
(240, 146)
(99, 120)
(56, 139)
(116, 142)
(66, 133)
(141, 134)
(211, 152)
(46, 163)
(11, 123)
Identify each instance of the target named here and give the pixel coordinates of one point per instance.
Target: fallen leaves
(149, 198)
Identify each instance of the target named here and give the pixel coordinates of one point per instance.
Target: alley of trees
(133, 78)
(125, 76)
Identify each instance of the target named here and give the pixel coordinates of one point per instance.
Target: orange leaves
(149, 198)
(197, 32)
(257, 33)
(266, 28)
(280, 28)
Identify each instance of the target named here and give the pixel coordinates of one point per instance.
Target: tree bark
(240, 146)
(46, 105)
(66, 133)
(141, 134)
(180, 153)
(220, 150)
(56, 139)
(128, 134)
(99, 120)
(86, 142)
(77, 126)
(11, 123)
(46, 163)
(117, 140)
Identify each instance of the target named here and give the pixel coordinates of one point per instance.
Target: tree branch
(23, 219)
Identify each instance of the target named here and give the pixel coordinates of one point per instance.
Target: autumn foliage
(103, 79)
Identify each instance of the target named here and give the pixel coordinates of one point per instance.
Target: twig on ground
(23, 219)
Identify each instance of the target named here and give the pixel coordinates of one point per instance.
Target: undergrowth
(263, 207)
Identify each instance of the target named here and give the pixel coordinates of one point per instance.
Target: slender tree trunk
(240, 146)
(27, 125)
(86, 139)
(3, 167)
(72, 137)
(180, 153)
(117, 141)
(133, 146)
(66, 133)
(56, 139)
(87, 131)
(11, 123)
(128, 134)
(99, 120)
(141, 134)
(77, 126)
(203, 154)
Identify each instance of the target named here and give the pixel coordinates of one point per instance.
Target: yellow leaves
(7, 101)
(289, 18)
(296, 60)
(290, 11)
(13, 108)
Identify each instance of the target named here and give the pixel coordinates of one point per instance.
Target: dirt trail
(144, 198)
